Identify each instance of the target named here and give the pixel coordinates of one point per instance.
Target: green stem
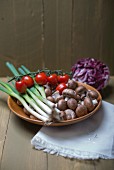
(40, 103)
(27, 71)
(35, 106)
(12, 68)
(41, 90)
(21, 71)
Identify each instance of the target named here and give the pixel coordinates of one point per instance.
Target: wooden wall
(55, 33)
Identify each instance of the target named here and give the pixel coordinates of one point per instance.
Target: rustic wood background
(55, 33)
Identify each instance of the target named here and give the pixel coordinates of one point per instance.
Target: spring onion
(12, 68)
(40, 103)
(34, 105)
(11, 91)
(43, 104)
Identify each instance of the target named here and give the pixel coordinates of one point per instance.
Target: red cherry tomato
(28, 81)
(41, 78)
(20, 86)
(52, 79)
(63, 79)
(61, 87)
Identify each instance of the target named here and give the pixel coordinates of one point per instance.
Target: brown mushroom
(81, 110)
(32, 117)
(93, 94)
(19, 103)
(62, 115)
(48, 92)
(57, 98)
(83, 96)
(80, 89)
(78, 97)
(50, 98)
(26, 111)
(72, 103)
(72, 84)
(62, 105)
(89, 104)
(70, 114)
(69, 93)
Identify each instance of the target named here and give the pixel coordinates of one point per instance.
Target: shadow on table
(26, 126)
(106, 92)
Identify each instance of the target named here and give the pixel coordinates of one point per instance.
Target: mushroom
(50, 98)
(48, 92)
(72, 84)
(69, 93)
(57, 96)
(89, 104)
(80, 89)
(81, 110)
(83, 96)
(70, 114)
(62, 115)
(72, 103)
(26, 111)
(32, 117)
(78, 97)
(62, 105)
(95, 102)
(93, 94)
(19, 103)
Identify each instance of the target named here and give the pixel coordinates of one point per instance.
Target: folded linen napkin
(92, 138)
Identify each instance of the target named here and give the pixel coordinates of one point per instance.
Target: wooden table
(16, 152)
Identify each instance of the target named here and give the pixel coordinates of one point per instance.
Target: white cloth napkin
(92, 138)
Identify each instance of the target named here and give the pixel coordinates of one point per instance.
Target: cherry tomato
(41, 78)
(20, 86)
(52, 79)
(63, 79)
(61, 87)
(28, 81)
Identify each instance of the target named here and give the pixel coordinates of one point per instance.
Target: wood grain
(4, 119)
(18, 152)
(57, 34)
(86, 29)
(107, 34)
(21, 34)
(93, 22)
(68, 164)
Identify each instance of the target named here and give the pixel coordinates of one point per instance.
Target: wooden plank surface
(4, 119)
(107, 33)
(17, 153)
(93, 22)
(86, 29)
(57, 34)
(61, 163)
(21, 34)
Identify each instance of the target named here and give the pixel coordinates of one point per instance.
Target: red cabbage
(92, 72)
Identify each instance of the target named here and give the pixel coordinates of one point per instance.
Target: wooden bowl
(20, 113)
